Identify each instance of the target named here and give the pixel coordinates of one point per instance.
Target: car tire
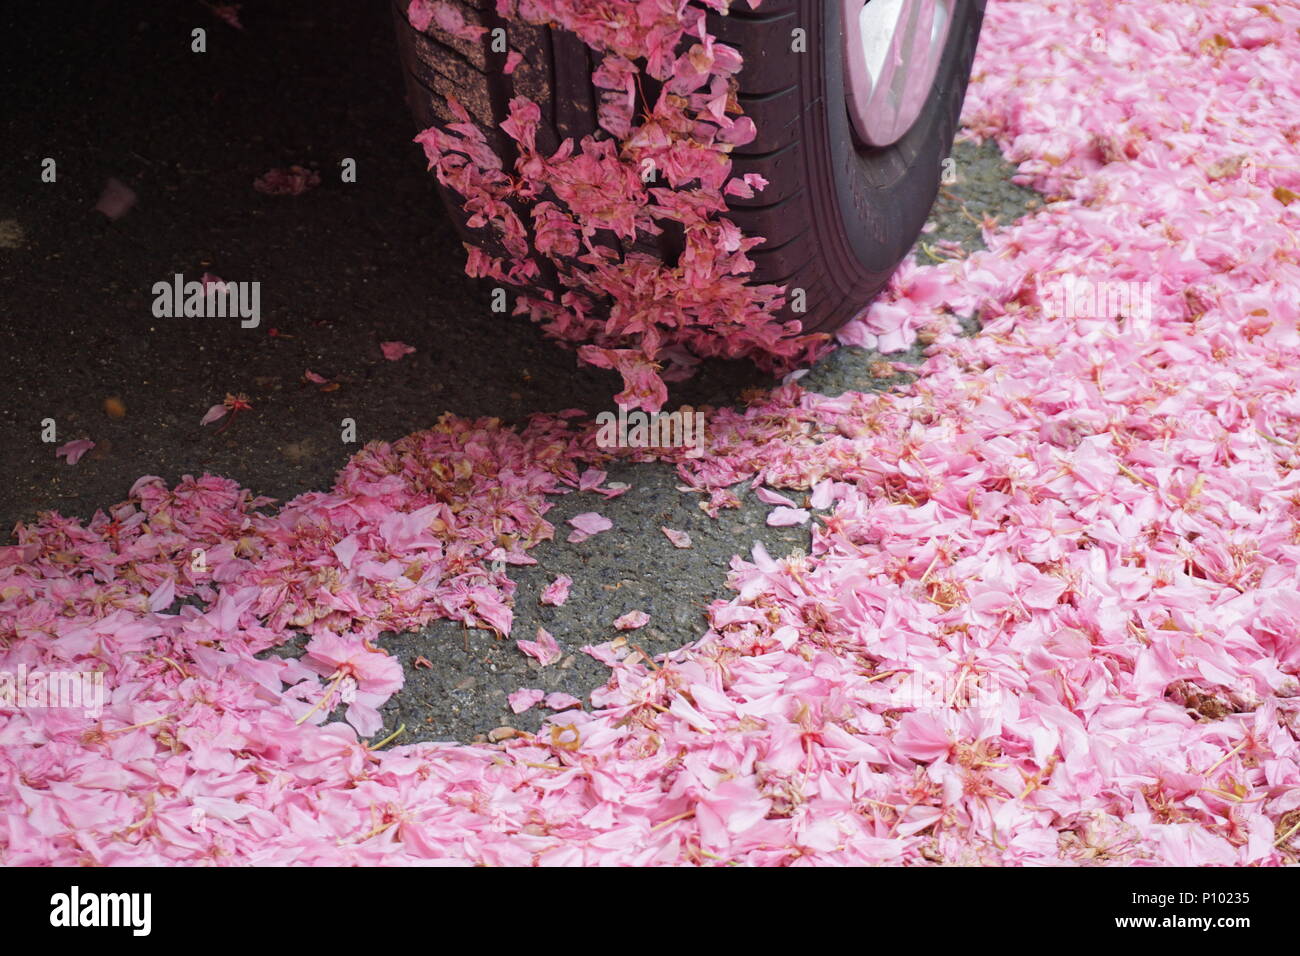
(838, 215)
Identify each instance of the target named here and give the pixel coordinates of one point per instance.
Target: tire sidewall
(883, 195)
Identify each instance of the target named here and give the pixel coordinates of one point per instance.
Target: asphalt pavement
(116, 92)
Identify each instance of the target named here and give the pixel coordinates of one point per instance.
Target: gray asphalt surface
(343, 268)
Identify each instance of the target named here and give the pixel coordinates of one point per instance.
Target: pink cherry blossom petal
(72, 451)
(785, 517)
(395, 350)
(587, 524)
(632, 620)
(523, 699)
(557, 592)
(545, 649)
(680, 539)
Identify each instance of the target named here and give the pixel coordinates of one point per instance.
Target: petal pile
(575, 209)
(1051, 612)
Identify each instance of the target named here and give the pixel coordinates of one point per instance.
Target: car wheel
(855, 103)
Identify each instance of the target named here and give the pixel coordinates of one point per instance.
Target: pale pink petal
(73, 450)
(587, 524)
(395, 350)
(785, 517)
(557, 592)
(632, 620)
(561, 701)
(680, 539)
(522, 699)
(544, 649)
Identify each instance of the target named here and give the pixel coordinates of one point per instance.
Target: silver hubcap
(892, 50)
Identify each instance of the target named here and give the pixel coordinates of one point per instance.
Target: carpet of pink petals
(1051, 613)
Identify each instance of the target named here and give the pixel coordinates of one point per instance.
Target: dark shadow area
(115, 90)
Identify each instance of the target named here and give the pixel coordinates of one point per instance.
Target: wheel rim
(892, 50)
